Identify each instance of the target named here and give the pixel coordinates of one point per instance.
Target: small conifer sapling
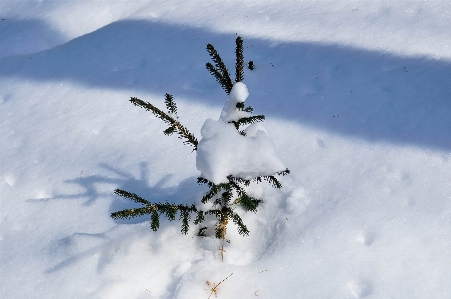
(227, 174)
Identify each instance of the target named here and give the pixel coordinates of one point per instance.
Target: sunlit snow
(357, 99)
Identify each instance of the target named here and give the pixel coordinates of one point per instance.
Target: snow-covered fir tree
(234, 151)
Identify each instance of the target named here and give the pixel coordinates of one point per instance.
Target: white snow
(222, 151)
(356, 96)
(238, 94)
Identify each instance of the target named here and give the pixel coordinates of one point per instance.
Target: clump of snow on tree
(238, 94)
(223, 151)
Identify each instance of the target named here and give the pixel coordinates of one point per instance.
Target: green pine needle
(131, 196)
(170, 104)
(131, 213)
(249, 203)
(183, 132)
(185, 217)
(219, 78)
(199, 218)
(284, 172)
(154, 221)
(248, 120)
(219, 70)
(242, 229)
(239, 65)
(169, 131)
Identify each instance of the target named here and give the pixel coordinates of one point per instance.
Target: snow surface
(222, 151)
(357, 100)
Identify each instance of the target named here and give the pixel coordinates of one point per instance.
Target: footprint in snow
(360, 288)
(366, 237)
(297, 202)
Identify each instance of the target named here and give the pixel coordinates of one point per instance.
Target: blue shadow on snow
(26, 36)
(357, 93)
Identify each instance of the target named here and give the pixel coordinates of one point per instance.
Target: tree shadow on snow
(79, 246)
(26, 36)
(94, 189)
(358, 93)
